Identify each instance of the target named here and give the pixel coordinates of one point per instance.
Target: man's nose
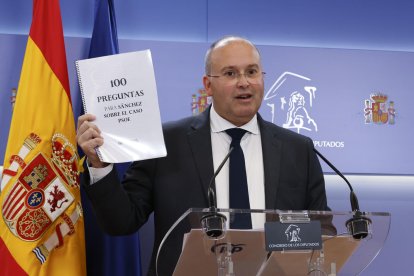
(242, 80)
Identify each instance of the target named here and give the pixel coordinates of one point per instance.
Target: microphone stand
(358, 225)
(214, 223)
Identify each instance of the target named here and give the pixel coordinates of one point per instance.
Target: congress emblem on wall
(377, 111)
(292, 96)
(199, 103)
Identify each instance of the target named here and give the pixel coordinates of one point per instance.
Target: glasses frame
(238, 76)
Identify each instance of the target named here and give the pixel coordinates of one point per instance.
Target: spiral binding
(98, 152)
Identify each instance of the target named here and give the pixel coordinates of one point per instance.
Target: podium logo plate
(293, 236)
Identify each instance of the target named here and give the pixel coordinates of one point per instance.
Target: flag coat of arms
(41, 227)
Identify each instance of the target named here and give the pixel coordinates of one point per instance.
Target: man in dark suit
(282, 169)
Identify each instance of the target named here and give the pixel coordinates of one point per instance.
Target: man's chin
(245, 117)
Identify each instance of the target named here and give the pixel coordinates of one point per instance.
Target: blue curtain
(107, 255)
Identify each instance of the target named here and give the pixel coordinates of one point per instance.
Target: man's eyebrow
(253, 65)
(232, 67)
(228, 67)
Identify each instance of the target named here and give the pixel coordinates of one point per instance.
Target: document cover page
(120, 90)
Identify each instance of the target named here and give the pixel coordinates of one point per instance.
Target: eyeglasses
(253, 76)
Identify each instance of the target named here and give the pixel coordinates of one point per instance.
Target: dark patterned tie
(239, 193)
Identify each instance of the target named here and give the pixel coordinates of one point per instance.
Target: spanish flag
(41, 227)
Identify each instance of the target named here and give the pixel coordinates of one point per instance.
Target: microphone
(213, 223)
(358, 225)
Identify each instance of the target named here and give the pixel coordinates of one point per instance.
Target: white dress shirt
(251, 145)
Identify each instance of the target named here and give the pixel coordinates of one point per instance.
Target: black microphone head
(213, 224)
(358, 226)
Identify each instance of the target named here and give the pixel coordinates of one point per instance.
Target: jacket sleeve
(122, 208)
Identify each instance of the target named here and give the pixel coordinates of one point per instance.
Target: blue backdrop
(337, 93)
(178, 33)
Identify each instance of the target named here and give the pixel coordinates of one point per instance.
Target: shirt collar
(219, 124)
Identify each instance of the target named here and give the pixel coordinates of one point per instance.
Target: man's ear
(207, 85)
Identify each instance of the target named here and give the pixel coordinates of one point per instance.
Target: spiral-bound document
(120, 90)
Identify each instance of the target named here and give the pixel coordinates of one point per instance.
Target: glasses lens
(252, 76)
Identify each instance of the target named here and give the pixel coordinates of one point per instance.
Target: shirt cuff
(97, 174)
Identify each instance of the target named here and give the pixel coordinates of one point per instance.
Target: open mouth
(244, 97)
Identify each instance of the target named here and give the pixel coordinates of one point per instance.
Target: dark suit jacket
(171, 185)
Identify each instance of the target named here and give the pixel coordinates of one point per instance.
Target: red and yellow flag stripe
(41, 228)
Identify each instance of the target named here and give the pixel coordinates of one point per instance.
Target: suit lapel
(271, 148)
(199, 138)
